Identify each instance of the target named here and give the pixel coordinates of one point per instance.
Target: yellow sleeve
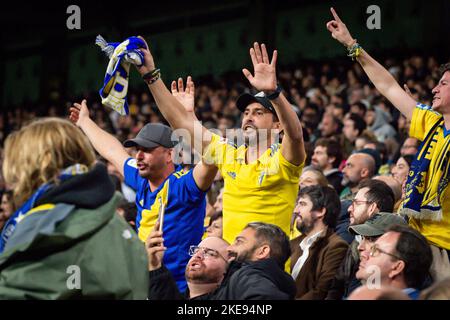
(216, 151)
(422, 120)
(289, 171)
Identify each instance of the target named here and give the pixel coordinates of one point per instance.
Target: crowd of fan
(346, 123)
(323, 94)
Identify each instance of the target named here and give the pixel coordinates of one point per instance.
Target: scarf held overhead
(424, 201)
(115, 85)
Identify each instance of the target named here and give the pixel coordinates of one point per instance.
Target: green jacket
(64, 251)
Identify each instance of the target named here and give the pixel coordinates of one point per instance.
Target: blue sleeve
(189, 191)
(131, 173)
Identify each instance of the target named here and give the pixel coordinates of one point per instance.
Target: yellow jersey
(262, 191)
(423, 119)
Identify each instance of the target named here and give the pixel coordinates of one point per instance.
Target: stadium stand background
(42, 60)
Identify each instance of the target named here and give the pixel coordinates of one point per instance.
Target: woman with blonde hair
(312, 177)
(65, 240)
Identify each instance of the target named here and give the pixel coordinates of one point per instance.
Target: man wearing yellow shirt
(427, 201)
(261, 177)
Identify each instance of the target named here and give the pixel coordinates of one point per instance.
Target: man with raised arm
(261, 177)
(427, 201)
(162, 188)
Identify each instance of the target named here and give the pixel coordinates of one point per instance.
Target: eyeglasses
(358, 202)
(206, 253)
(375, 251)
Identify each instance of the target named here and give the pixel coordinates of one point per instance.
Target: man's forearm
(171, 109)
(288, 118)
(104, 143)
(386, 84)
(380, 77)
(178, 118)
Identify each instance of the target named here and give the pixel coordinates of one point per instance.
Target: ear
(331, 160)
(169, 155)
(263, 252)
(320, 213)
(277, 125)
(364, 173)
(372, 209)
(397, 268)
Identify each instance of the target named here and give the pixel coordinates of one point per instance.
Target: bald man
(358, 167)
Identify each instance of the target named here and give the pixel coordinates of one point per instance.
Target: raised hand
(339, 30)
(185, 97)
(155, 248)
(79, 112)
(265, 78)
(149, 63)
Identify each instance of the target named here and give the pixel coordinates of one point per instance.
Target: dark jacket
(335, 179)
(345, 280)
(258, 280)
(319, 269)
(343, 222)
(75, 246)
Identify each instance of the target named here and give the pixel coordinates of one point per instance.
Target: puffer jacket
(73, 245)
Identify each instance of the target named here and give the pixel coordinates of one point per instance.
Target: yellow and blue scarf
(424, 201)
(121, 56)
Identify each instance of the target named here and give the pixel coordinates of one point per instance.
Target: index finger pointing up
(335, 15)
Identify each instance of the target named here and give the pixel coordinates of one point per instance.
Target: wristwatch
(276, 93)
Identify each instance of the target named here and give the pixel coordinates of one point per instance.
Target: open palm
(185, 97)
(264, 78)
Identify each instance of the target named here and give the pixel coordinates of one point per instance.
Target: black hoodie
(256, 280)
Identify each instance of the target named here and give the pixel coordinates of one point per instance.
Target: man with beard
(327, 157)
(373, 197)
(261, 176)
(204, 271)
(255, 271)
(358, 167)
(318, 252)
(160, 185)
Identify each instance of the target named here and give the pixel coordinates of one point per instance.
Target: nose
(435, 90)
(297, 209)
(139, 154)
(350, 208)
(198, 255)
(394, 170)
(361, 246)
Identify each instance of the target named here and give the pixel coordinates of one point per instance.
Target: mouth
(141, 166)
(195, 265)
(435, 99)
(248, 127)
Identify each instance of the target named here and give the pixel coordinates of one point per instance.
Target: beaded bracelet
(152, 76)
(354, 51)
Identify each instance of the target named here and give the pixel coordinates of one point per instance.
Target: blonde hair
(37, 153)
(321, 179)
